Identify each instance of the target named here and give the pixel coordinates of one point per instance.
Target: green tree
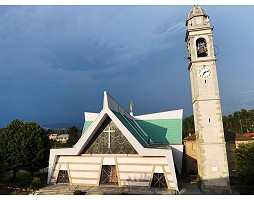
(2, 164)
(24, 146)
(188, 126)
(240, 122)
(10, 148)
(74, 135)
(244, 157)
(35, 146)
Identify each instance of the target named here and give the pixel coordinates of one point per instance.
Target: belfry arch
(201, 46)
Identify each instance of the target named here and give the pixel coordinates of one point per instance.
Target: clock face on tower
(204, 72)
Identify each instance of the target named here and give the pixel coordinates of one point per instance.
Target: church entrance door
(159, 181)
(63, 177)
(108, 175)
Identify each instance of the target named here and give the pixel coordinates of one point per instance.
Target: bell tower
(213, 175)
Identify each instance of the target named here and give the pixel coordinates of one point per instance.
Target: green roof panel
(163, 130)
(86, 126)
(136, 132)
(159, 130)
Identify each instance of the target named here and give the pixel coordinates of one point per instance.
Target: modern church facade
(119, 149)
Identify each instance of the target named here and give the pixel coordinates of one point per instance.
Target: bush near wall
(244, 157)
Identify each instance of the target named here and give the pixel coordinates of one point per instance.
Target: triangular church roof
(158, 128)
(121, 118)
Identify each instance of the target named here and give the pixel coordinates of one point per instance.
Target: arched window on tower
(201, 47)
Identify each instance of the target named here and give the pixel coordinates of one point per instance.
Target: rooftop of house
(229, 136)
(191, 137)
(63, 136)
(249, 135)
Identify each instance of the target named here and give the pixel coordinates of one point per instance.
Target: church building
(146, 151)
(117, 148)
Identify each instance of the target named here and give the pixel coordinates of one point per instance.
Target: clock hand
(205, 72)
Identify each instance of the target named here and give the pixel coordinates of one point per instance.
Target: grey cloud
(82, 38)
(87, 57)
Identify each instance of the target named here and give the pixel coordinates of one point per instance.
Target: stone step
(53, 192)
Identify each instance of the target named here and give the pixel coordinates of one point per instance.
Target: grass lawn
(23, 180)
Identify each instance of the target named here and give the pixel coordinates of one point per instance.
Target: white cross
(109, 131)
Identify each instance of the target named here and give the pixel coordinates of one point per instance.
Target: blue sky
(56, 61)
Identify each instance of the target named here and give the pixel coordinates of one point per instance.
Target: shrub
(244, 156)
(36, 182)
(124, 193)
(246, 190)
(78, 192)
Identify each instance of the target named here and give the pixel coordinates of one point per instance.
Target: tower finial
(131, 108)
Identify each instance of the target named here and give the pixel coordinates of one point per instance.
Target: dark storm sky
(56, 61)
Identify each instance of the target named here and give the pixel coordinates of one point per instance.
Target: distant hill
(64, 126)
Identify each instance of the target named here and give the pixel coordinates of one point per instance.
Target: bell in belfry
(201, 48)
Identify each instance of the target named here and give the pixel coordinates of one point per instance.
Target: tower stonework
(213, 175)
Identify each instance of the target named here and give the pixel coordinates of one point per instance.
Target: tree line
(26, 146)
(239, 122)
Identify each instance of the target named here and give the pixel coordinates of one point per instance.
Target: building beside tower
(213, 175)
(232, 141)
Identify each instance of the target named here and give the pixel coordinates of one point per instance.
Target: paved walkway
(64, 189)
(189, 187)
(186, 187)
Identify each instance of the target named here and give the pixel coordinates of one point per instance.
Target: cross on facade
(109, 131)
